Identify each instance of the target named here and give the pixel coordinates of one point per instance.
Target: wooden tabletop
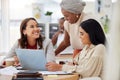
(61, 77)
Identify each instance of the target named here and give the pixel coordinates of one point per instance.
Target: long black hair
(95, 31)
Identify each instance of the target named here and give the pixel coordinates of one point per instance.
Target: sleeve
(50, 55)
(66, 26)
(12, 53)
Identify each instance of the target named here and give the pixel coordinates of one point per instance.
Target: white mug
(9, 62)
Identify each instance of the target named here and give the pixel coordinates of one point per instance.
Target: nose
(37, 29)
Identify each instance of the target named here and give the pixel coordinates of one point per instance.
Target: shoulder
(100, 50)
(46, 41)
(66, 24)
(100, 47)
(16, 44)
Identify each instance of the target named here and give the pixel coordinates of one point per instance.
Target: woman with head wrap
(74, 15)
(89, 62)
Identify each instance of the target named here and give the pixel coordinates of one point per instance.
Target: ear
(24, 32)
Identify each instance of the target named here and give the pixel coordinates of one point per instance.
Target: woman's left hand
(52, 66)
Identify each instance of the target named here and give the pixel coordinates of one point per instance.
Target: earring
(77, 16)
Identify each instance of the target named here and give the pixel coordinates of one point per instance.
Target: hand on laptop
(52, 66)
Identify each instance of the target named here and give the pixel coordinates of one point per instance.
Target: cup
(9, 62)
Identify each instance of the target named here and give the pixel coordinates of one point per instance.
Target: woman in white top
(32, 39)
(74, 15)
(89, 62)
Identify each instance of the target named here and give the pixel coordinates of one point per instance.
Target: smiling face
(70, 17)
(61, 25)
(32, 30)
(84, 37)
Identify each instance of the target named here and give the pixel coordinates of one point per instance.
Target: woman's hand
(52, 66)
(16, 63)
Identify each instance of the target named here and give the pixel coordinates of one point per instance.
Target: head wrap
(73, 6)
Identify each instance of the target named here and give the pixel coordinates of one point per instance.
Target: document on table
(53, 72)
(9, 70)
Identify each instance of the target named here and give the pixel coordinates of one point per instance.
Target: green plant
(48, 13)
(105, 22)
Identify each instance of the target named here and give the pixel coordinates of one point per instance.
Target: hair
(94, 30)
(23, 39)
(62, 18)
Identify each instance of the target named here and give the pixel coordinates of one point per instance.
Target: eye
(81, 33)
(31, 26)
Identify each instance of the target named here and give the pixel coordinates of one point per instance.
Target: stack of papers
(53, 73)
(9, 70)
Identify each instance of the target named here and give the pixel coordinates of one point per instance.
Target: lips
(36, 33)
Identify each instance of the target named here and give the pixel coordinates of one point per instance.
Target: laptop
(31, 59)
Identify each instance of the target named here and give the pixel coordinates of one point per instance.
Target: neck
(31, 42)
(88, 45)
(78, 16)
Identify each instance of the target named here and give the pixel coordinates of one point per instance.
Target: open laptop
(31, 59)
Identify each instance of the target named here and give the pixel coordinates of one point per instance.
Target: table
(62, 77)
(47, 77)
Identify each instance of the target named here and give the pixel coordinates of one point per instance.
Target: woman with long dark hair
(31, 38)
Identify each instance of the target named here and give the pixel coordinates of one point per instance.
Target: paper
(8, 70)
(53, 73)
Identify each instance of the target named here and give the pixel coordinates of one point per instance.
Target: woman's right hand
(16, 63)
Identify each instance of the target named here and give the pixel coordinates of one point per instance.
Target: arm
(64, 44)
(12, 53)
(49, 51)
(55, 37)
(89, 65)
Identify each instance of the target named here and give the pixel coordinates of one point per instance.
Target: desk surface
(62, 77)
(48, 77)
(57, 77)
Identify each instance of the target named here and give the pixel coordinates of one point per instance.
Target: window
(17, 11)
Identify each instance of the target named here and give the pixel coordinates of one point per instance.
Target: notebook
(31, 59)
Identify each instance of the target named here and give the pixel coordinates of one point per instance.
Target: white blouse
(89, 61)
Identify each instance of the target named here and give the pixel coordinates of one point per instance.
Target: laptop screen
(32, 59)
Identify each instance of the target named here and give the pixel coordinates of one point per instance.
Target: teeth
(36, 33)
